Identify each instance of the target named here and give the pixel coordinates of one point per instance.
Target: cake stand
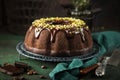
(23, 52)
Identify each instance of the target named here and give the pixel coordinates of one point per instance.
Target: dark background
(16, 15)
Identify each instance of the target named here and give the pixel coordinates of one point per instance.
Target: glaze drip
(37, 32)
(53, 34)
(69, 32)
(82, 33)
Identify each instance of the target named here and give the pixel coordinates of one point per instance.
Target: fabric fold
(107, 41)
(70, 69)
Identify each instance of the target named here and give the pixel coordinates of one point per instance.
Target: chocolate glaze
(37, 32)
(52, 32)
(69, 33)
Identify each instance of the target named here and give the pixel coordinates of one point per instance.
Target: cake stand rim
(22, 51)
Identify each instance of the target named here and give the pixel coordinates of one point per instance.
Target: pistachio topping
(59, 23)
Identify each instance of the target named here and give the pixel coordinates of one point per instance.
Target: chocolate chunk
(43, 67)
(42, 77)
(16, 78)
(21, 65)
(5, 64)
(35, 72)
(10, 73)
(31, 72)
(11, 70)
(19, 78)
(2, 70)
(22, 78)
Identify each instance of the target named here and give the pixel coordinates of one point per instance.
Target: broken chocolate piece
(5, 64)
(21, 65)
(11, 70)
(2, 70)
(88, 69)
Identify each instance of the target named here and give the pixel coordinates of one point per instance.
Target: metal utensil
(111, 59)
(100, 71)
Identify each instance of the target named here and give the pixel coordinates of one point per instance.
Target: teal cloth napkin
(107, 41)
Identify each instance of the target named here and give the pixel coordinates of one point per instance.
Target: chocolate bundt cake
(58, 36)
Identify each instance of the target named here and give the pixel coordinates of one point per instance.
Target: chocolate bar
(11, 70)
(88, 69)
(21, 65)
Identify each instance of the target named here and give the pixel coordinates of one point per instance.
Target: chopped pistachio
(78, 23)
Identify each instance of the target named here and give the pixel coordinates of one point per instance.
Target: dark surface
(112, 73)
(9, 54)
